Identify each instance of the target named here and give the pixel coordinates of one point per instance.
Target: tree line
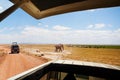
(95, 46)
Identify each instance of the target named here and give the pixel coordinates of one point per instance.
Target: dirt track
(12, 64)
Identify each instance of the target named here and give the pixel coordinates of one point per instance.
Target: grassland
(100, 55)
(1, 52)
(108, 55)
(41, 47)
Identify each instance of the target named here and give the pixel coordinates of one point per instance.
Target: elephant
(59, 48)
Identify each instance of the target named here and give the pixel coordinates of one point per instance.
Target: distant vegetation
(95, 46)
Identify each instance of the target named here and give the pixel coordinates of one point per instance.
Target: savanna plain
(105, 54)
(32, 55)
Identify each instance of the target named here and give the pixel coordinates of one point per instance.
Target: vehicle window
(91, 35)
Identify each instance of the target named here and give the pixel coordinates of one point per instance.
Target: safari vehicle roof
(44, 8)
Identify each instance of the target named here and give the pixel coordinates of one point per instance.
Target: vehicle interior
(63, 69)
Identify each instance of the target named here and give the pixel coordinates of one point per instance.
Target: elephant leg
(55, 49)
(60, 50)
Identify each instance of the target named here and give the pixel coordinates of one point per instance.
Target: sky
(96, 26)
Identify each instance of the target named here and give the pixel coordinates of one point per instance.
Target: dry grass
(2, 55)
(101, 55)
(3, 52)
(40, 47)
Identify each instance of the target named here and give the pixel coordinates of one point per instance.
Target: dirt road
(16, 63)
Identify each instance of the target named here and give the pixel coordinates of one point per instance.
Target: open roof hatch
(44, 8)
